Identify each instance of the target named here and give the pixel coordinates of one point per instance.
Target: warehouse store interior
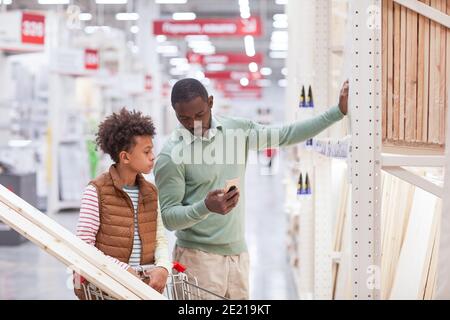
(357, 211)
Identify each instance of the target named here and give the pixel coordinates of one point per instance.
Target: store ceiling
(266, 9)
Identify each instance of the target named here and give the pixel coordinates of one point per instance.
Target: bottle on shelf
(300, 184)
(302, 103)
(310, 99)
(307, 188)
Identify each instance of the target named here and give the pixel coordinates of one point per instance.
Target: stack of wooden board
(70, 250)
(416, 75)
(409, 235)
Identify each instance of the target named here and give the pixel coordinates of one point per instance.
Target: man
(192, 169)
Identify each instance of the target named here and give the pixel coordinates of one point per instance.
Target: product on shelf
(309, 99)
(302, 103)
(300, 184)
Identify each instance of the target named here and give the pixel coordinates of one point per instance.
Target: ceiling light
(197, 44)
(167, 49)
(280, 36)
(205, 50)
(282, 2)
(6, 2)
(263, 83)
(278, 54)
(280, 17)
(274, 46)
(92, 29)
(54, 1)
(184, 16)
(178, 61)
(244, 82)
(266, 71)
(244, 8)
(171, 1)
(134, 29)
(213, 67)
(161, 38)
(283, 83)
(280, 24)
(127, 16)
(284, 71)
(253, 67)
(249, 42)
(85, 16)
(111, 1)
(176, 72)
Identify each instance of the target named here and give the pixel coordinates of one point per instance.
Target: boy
(119, 212)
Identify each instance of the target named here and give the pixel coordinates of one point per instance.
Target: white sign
(22, 31)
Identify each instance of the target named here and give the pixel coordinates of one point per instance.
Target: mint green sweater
(188, 168)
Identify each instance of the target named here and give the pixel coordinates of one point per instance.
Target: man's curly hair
(116, 133)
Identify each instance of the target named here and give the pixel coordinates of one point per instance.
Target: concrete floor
(26, 272)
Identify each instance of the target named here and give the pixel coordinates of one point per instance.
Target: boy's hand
(222, 203)
(343, 98)
(158, 278)
(133, 272)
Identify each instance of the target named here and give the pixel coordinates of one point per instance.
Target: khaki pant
(226, 276)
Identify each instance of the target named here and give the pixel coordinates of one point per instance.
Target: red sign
(33, 28)
(224, 58)
(237, 87)
(233, 75)
(148, 83)
(91, 59)
(210, 27)
(242, 96)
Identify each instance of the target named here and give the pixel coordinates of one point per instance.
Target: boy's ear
(123, 157)
(210, 101)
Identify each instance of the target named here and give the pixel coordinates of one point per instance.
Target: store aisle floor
(26, 272)
(270, 275)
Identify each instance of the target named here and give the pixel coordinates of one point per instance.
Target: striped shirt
(89, 224)
(135, 258)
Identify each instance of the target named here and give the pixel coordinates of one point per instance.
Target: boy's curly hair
(116, 133)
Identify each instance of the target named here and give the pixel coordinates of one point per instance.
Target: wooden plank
(413, 257)
(423, 77)
(397, 55)
(411, 76)
(390, 70)
(429, 277)
(64, 254)
(433, 114)
(442, 77)
(431, 13)
(447, 81)
(90, 253)
(384, 49)
(403, 28)
(339, 226)
(403, 68)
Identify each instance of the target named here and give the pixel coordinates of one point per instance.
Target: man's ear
(210, 101)
(123, 157)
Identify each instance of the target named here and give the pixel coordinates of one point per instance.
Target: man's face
(195, 115)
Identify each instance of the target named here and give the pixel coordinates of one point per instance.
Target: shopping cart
(180, 286)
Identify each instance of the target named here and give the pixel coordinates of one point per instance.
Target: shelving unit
(351, 265)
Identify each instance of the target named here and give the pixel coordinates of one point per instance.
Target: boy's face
(195, 115)
(140, 158)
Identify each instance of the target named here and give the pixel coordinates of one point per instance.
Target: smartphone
(231, 185)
